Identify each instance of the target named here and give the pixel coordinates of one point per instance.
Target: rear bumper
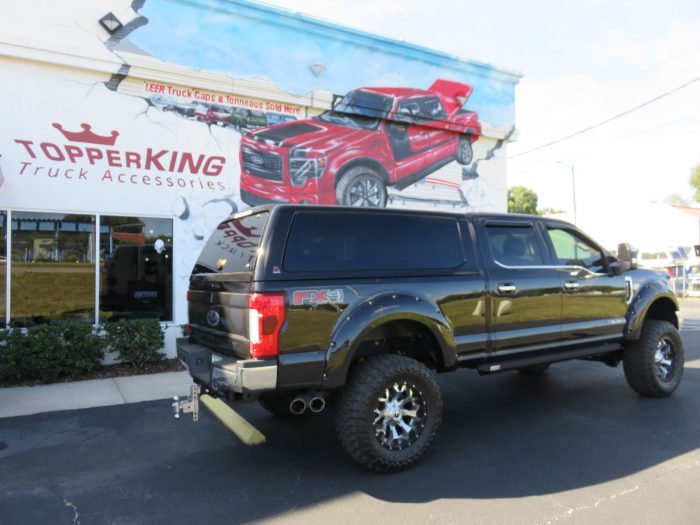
(226, 374)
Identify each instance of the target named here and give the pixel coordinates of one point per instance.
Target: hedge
(48, 352)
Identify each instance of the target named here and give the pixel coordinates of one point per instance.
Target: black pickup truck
(306, 307)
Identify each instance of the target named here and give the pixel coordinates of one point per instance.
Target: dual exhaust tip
(313, 402)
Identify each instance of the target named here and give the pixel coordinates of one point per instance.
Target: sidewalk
(25, 400)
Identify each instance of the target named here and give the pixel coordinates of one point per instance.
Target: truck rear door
(524, 293)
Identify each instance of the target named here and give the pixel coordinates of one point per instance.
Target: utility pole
(573, 183)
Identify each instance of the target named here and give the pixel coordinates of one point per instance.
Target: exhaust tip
(297, 406)
(317, 404)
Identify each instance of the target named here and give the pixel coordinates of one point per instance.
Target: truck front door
(594, 301)
(525, 297)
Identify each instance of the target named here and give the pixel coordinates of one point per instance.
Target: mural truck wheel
(464, 150)
(363, 187)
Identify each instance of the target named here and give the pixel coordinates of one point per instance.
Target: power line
(619, 115)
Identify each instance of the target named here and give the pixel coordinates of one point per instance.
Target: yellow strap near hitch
(233, 421)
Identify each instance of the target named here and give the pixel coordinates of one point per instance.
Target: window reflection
(135, 268)
(53, 267)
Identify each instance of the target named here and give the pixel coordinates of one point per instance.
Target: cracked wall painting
(197, 110)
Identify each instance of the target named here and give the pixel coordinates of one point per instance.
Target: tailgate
(218, 312)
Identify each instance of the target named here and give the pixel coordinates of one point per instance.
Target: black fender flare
(644, 299)
(353, 325)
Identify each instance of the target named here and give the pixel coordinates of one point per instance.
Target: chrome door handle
(506, 288)
(571, 285)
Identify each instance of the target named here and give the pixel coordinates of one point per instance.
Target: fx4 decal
(301, 297)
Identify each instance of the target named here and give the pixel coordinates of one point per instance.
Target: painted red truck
(373, 138)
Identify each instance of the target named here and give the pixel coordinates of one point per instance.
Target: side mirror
(615, 267)
(626, 256)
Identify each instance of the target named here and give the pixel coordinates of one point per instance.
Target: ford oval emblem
(213, 318)
(257, 160)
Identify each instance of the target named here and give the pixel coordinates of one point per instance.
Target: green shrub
(82, 349)
(136, 341)
(47, 352)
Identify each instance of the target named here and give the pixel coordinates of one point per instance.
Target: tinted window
(515, 246)
(233, 247)
(136, 268)
(348, 241)
(572, 250)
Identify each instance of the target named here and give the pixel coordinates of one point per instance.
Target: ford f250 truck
(304, 308)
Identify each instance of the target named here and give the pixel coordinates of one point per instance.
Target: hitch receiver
(188, 405)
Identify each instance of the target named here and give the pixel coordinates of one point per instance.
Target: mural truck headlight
(304, 166)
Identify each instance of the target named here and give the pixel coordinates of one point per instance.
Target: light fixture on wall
(110, 22)
(317, 69)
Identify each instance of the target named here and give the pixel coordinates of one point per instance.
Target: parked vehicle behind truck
(306, 308)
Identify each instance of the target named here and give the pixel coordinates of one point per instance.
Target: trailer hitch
(189, 405)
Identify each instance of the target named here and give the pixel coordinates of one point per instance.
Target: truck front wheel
(654, 364)
(361, 186)
(389, 413)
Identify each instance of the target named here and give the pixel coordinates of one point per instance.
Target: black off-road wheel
(278, 406)
(389, 413)
(361, 186)
(654, 363)
(534, 370)
(465, 153)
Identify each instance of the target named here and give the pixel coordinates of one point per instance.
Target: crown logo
(87, 135)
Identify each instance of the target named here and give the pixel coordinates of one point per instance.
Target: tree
(522, 200)
(695, 180)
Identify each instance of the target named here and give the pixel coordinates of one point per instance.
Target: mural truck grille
(262, 164)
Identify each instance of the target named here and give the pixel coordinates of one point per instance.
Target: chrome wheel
(365, 192)
(465, 152)
(400, 416)
(664, 359)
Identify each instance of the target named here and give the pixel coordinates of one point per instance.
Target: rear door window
(515, 245)
(371, 241)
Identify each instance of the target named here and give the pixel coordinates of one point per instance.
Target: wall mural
(214, 106)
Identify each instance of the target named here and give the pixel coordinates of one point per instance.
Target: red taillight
(188, 296)
(265, 320)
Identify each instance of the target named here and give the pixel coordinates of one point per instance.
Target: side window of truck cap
(321, 241)
(515, 245)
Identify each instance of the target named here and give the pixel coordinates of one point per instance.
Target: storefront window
(3, 266)
(136, 268)
(53, 267)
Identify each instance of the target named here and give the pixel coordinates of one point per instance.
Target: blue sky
(224, 37)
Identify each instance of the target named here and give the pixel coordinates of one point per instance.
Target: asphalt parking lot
(575, 446)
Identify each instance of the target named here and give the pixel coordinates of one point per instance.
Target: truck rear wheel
(654, 363)
(465, 154)
(361, 186)
(389, 413)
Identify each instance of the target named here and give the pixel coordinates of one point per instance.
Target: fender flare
(354, 325)
(638, 309)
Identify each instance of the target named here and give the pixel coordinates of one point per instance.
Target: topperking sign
(81, 155)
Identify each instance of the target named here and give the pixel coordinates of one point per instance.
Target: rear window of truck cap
(233, 246)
